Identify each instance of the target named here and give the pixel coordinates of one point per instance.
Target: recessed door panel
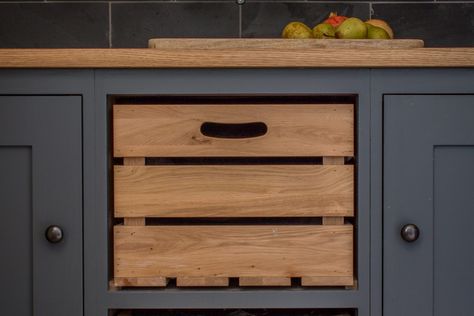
(16, 230)
(453, 226)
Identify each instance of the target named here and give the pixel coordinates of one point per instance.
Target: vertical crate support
(137, 221)
(333, 220)
(134, 221)
(329, 220)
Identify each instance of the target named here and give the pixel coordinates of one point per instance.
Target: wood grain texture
(275, 43)
(234, 191)
(333, 160)
(175, 130)
(233, 251)
(237, 58)
(202, 281)
(134, 281)
(134, 161)
(327, 280)
(134, 221)
(264, 281)
(333, 220)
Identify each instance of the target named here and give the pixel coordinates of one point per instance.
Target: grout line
(371, 10)
(163, 1)
(253, 1)
(110, 24)
(423, 2)
(240, 21)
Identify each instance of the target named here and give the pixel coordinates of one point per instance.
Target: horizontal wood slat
(327, 280)
(134, 281)
(175, 130)
(233, 251)
(134, 221)
(202, 281)
(333, 220)
(264, 281)
(234, 191)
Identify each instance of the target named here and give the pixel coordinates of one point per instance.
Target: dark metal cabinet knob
(54, 234)
(410, 232)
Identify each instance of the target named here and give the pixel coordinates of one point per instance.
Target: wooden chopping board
(278, 43)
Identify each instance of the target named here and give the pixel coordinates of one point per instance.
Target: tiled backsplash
(132, 23)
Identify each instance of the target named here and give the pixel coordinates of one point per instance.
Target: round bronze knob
(410, 232)
(54, 234)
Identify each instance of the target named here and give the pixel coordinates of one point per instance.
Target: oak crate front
(262, 194)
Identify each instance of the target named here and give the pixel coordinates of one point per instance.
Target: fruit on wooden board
(335, 20)
(352, 28)
(374, 32)
(341, 27)
(382, 24)
(297, 30)
(324, 30)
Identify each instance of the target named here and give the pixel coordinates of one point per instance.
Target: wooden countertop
(236, 58)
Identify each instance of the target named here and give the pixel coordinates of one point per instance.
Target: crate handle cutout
(233, 130)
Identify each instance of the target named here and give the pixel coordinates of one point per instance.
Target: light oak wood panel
(234, 191)
(327, 280)
(202, 281)
(333, 160)
(175, 130)
(275, 43)
(133, 282)
(264, 281)
(233, 251)
(238, 58)
(134, 161)
(333, 220)
(134, 221)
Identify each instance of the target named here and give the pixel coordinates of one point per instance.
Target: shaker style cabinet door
(41, 188)
(428, 256)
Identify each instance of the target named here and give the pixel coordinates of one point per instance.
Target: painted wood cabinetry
(407, 161)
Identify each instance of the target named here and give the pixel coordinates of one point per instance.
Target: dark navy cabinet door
(429, 182)
(40, 185)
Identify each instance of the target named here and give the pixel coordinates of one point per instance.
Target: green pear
(297, 30)
(324, 30)
(375, 32)
(352, 28)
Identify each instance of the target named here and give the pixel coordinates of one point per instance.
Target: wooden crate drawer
(210, 194)
(256, 254)
(233, 130)
(234, 191)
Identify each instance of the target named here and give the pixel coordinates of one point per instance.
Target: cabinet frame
(78, 83)
(398, 81)
(234, 82)
(95, 86)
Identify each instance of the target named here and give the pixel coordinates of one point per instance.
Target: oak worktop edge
(240, 58)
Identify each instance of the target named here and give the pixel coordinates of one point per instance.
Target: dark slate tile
(439, 24)
(267, 19)
(54, 25)
(134, 23)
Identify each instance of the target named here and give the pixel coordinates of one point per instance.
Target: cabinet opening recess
(264, 196)
(233, 312)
